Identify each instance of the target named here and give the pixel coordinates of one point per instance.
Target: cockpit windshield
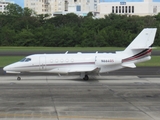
(25, 60)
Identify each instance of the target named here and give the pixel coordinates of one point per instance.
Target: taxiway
(69, 98)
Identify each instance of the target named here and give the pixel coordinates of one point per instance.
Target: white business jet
(86, 64)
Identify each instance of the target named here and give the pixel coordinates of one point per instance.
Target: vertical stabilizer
(143, 41)
(140, 48)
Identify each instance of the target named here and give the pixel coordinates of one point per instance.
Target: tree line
(23, 27)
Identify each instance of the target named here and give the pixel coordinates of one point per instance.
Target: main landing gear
(86, 78)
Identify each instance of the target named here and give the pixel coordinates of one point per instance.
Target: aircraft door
(42, 63)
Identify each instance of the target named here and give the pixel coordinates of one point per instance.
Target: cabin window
(51, 60)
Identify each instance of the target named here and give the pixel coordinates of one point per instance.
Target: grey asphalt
(68, 98)
(139, 71)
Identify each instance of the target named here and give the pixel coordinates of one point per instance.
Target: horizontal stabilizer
(140, 48)
(130, 65)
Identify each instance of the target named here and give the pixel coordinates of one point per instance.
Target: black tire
(18, 78)
(86, 78)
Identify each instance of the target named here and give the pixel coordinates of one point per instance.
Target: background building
(53, 7)
(79, 7)
(40, 6)
(129, 7)
(3, 4)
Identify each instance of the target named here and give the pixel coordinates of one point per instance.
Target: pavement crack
(49, 89)
(138, 108)
(111, 90)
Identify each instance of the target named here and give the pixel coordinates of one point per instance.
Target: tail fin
(139, 49)
(143, 41)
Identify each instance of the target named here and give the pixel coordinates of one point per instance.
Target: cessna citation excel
(85, 64)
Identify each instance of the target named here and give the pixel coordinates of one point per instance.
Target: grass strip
(155, 61)
(6, 60)
(59, 49)
(63, 49)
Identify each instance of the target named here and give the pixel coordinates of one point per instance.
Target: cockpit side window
(28, 59)
(25, 60)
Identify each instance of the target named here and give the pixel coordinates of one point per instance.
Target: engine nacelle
(143, 59)
(107, 61)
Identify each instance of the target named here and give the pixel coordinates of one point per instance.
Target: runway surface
(69, 98)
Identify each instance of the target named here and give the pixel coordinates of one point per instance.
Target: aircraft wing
(84, 69)
(75, 69)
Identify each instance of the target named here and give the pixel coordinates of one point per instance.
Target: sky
(19, 2)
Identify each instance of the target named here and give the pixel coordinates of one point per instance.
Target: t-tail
(139, 49)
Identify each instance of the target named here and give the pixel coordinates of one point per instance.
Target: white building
(129, 7)
(3, 4)
(39, 6)
(80, 7)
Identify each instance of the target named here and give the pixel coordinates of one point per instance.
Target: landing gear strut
(86, 78)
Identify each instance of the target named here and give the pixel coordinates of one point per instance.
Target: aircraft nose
(10, 69)
(5, 68)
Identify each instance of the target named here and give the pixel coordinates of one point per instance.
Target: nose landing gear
(18, 78)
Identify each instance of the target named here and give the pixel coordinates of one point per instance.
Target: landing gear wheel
(18, 78)
(86, 78)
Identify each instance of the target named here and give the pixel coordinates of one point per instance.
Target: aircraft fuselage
(66, 63)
